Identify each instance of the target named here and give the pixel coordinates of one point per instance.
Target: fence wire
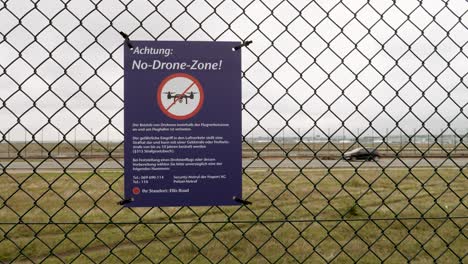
(320, 79)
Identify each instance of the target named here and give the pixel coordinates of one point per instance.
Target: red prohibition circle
(159, 96)
(136, 190)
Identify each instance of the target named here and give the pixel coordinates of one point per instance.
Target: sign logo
(136, 190)
(180, 96)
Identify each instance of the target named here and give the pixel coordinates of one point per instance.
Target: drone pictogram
(180, 97)
(176, 89)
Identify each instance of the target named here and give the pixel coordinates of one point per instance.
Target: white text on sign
(194, 65)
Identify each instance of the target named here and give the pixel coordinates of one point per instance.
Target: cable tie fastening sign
(245, 44)
(239, 200)
(127, 40)
(125, 201)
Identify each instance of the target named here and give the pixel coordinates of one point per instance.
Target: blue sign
(182, 119)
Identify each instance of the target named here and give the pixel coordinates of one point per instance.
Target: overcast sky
(331, 57)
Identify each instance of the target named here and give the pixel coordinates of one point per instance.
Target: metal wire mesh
(320, 79)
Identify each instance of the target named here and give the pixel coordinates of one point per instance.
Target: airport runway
(110, 164)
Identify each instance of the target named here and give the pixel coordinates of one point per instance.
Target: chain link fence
(320, 79)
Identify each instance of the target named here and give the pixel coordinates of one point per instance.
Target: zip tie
(239, 200)
(245, 44)
(125, 201)
(127, 40)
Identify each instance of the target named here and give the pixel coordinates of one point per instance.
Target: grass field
(330, 150)
(328, 215)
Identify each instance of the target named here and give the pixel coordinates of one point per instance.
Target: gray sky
(339, 54)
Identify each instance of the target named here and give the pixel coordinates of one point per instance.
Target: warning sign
(182, 122)
(180, 96)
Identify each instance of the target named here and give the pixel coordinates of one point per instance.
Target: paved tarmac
(110, 164)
